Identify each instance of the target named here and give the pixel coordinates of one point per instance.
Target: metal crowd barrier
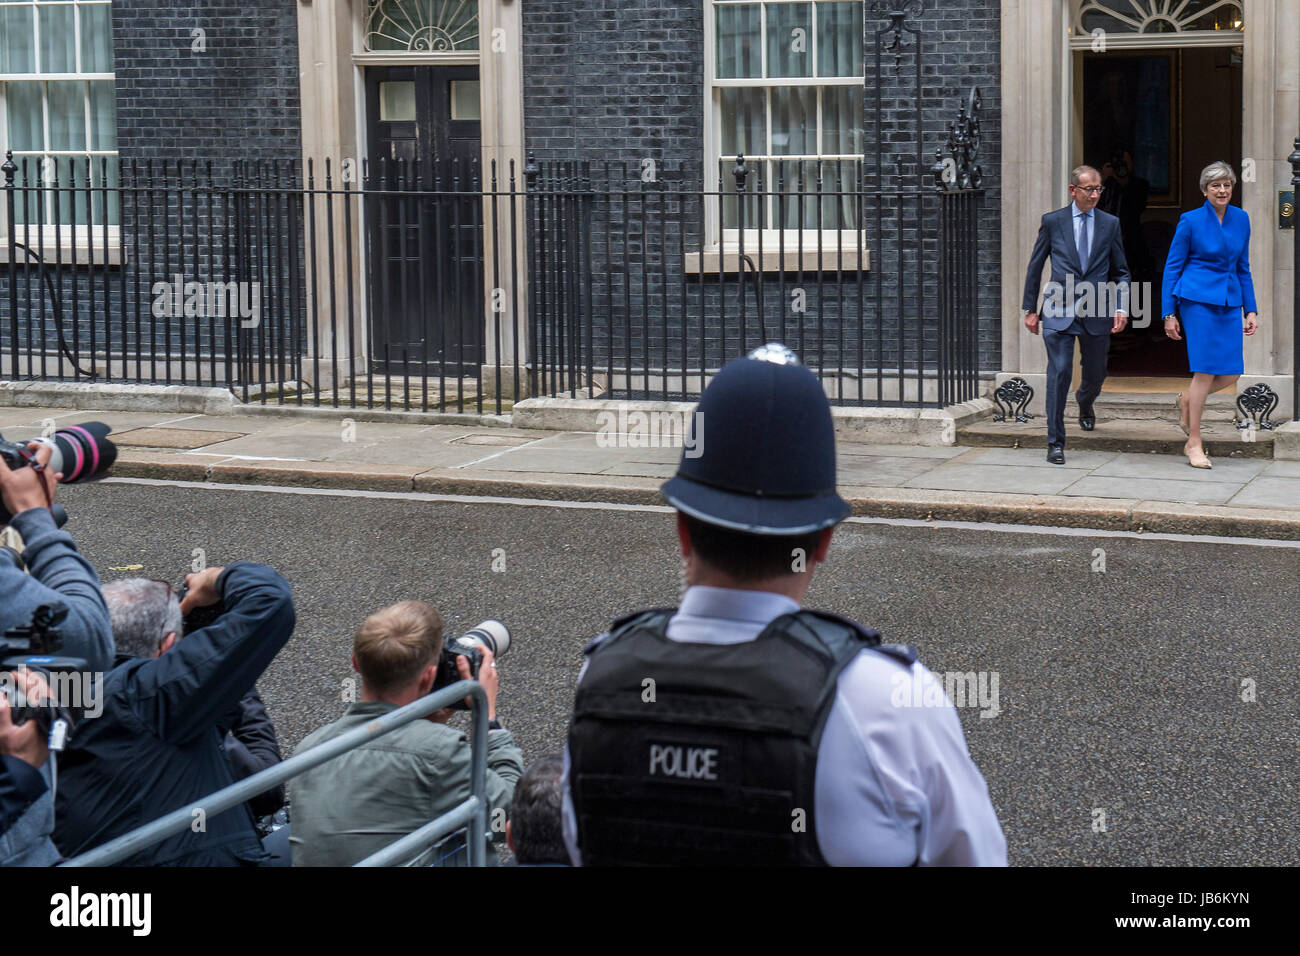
(471, 811)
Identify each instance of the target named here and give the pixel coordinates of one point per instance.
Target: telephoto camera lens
(490, 634)
(82, 452)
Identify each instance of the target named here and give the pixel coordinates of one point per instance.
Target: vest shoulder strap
(905, 654)
(626, 623)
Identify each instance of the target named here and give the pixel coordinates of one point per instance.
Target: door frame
(1037, 145)
(332, 91)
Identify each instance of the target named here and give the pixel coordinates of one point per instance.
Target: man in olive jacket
(358, 803)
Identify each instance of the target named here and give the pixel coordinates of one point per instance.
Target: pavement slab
(999, 478)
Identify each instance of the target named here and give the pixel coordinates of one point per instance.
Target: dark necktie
(1083, 244)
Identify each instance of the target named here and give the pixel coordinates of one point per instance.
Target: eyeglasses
(166, 584)
(1090, 190)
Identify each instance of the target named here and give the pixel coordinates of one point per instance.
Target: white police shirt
(895, 784)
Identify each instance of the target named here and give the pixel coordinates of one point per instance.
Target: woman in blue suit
(1207, 279)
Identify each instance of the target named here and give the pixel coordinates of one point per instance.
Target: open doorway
(1150, 121)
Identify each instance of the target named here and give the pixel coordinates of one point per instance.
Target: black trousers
(1060, 366)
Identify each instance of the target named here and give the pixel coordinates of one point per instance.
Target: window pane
(731, 201)
(96, 39)
(838, 199)
(464, 100)
(422, 25)
(794, 120)
(798, 184)
(744, 129)
(67, 106)
(789, 39)
(842, 119)
(103, 116)
(74, 174)
(739, 34)
(839, 39)
(17, 54)
(58, 40)
(99, 166)
(23, 102)
(397, 101)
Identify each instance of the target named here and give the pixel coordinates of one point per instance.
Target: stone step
(1222, 439)
(1156, 407)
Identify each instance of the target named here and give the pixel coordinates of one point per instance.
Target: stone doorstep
(1222, 440)
(1106, 514)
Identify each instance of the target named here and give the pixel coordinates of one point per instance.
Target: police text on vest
(686, 763)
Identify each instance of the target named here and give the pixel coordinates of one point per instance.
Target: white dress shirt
(895, 785)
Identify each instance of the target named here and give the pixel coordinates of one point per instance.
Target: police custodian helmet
(763, 457)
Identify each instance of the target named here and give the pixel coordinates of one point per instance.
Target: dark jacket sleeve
(188, 690)
(1119, 271)
(58, 573)
(251, 746)
(1033, 278)
(20, 785)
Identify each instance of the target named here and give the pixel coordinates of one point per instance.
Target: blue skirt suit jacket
(1207, 280)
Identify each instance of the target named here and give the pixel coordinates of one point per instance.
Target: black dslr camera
(33, 647)
(493, 635)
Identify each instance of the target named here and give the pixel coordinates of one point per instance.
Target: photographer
(157, 745)
(359, 802)
(25, 819)
(58, 572)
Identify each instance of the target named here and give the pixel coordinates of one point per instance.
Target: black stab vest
(705, 754)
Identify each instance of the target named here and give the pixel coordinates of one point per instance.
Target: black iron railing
(410, 286)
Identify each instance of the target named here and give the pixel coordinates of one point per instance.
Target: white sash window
(57, 114)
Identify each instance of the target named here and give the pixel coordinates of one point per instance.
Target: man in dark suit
(1089, 282)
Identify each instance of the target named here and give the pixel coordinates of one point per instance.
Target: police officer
(738, 728)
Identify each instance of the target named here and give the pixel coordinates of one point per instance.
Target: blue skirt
(1214, 337)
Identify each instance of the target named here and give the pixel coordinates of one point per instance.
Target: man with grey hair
(1086, 299)
(147, 625)
(157, 745)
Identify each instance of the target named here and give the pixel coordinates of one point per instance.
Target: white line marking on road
(666, 509)
(1076, 532)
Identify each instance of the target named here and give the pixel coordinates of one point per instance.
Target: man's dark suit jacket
(157, 745)
(1093, 296)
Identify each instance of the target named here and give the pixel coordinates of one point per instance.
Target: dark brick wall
(622, 80)
(237, 99)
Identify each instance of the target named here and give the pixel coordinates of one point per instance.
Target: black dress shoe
(1087, 420)
(1056, 454)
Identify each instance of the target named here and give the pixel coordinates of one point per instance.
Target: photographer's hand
(26, 742)
(201, 589)
(27, 488)
(487, 676)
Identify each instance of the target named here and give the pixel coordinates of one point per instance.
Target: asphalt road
(1120, 692)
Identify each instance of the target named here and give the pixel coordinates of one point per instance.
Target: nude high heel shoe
(1196, 457)
(1182, 415)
